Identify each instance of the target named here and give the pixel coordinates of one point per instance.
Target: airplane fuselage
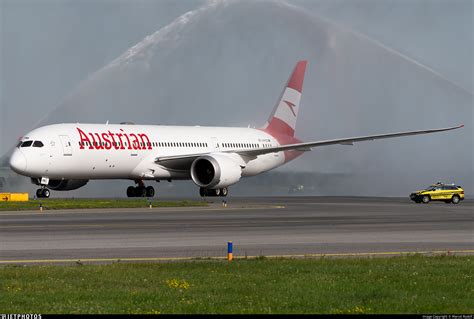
(100, 151)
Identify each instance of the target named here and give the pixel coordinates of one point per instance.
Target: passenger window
(26, 144)
(38, 144)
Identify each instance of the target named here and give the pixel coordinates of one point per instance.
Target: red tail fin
(282, 121)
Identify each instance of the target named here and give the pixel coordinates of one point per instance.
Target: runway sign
(14, 197)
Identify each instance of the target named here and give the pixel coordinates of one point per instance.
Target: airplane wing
(307, 146)
(185, 160)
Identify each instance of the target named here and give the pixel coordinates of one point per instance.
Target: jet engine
(215, 171)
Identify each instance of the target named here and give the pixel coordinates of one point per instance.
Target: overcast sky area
(374, 67)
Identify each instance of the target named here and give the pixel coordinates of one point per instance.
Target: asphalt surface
(256, 226)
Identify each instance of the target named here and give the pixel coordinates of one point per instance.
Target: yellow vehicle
(448, 193)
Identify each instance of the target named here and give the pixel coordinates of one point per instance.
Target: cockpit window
(19, 143)
(27, 144)
(38, 144)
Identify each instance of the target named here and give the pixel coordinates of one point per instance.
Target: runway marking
(134, 209)
(319, 255)
(52, 226)
(147, 224)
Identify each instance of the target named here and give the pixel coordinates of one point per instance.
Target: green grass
(412, 284)
(93, 203)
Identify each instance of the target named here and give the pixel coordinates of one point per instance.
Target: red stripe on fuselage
(284, 139)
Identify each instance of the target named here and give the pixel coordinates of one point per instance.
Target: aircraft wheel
(150, 191)
(46, 193)
(224, 191)
(39, 193)
(131, 191)
(203, 192)
(217, 192)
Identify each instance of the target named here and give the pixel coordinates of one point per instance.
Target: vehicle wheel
(217, 192)
(39, 193)
(203, 192)
(425, 199)
(131, 191)
(141, 191)
(150, 191)
(46, 193)
(224, 192)
(455, 199)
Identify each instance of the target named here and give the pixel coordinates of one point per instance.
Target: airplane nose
(18, 162)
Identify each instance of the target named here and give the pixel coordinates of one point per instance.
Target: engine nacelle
(215, 171)
(63, 184)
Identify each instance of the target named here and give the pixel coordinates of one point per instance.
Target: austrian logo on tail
(291, 106)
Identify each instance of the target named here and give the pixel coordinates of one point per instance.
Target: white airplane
(66, 156)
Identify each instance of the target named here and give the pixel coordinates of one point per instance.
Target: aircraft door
(66, 143)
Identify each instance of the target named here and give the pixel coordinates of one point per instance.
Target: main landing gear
(223, 192)
(43, 193)
(140, 190)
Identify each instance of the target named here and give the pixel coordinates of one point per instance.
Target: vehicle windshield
(430, 188)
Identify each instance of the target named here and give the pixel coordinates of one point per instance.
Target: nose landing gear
(140, 190)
